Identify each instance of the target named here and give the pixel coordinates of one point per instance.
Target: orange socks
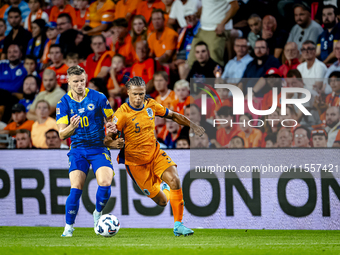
(177, 203)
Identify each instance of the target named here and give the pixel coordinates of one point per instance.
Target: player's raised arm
(67, 130)
(182, 120)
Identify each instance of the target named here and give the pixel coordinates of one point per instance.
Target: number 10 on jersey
(84, 121)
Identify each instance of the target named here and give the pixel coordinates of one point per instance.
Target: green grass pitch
(47, 241)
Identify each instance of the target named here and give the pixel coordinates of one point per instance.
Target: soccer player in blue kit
(81, 115)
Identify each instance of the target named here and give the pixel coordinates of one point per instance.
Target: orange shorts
(148, 176)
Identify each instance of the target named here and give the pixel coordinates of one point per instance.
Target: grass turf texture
(47, 240)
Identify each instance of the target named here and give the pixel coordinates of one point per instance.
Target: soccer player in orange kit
(145, 162)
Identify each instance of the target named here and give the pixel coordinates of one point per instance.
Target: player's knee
(104, 183)
(77, 186)
(162, 202)
(174, 182)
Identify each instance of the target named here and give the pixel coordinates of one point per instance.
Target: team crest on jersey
(18, 72)
(150, 112)
(90, 107)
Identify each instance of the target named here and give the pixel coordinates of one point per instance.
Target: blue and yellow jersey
(137, 127)
(92, 110)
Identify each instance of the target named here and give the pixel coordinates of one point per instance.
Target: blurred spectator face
(332, 116)
(29, 65)
(63, 24)
(182, 144)
(50, 82)
(58, 3)
(14, 19)
(182, 93)
(269, 144)
(42, 110)
(260, 49)
(308, 51)
(236, 143)
(241, 47)
(291, 51)
(201, 54)
(14, 54)
(30, 86)
(245, 128)
(160, 83)
(223, 93)
(157, 21)
(15, 2)
(117, 64)
(52, 33)
(138, 26)
(19, 117)
(284, 139)
(301, 16)
(319, 141)
(301, 138)
(337, 49)
(328, 17)
(98, 45)
(71, 62)
(2, 28)
(334, 82)
(229, 119)
(119, 32)
(34, 5)
(171, 126)
(269, 23)
(52, 140)
(80, 4)
(56, 55)
(200, 141)
(142, 50)
(167, 2)
(159, 122)
(294, 82)
(23, 141)
(274, 116)
(191, 20)
(255, 25)
(193, 114)
(35, 30)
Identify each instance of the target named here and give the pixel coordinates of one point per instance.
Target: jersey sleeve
(119, 119)
(160, 110)
(108, 16)
(62, 112)
(105, 106)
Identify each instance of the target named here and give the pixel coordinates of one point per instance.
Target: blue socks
(72, 205)
(103, 195)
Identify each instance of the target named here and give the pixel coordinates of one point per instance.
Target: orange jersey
(180, 106)
(46, 55)
(168, 41)
(337, 139)
(3, 10)
(126, 49)
(80, 21)
(61, 74)
(267, 101)
(144, 9)
(104, 15)
(145, 69)
(253, 140)
(26, 125)
(137, 128)
(167, 100)
(223, 138)
(68, 9)
(124, 7)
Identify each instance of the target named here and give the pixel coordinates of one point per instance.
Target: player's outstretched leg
(71, 208)
(104, 178)
(170, 176)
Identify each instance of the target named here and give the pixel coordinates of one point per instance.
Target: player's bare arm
(66, 131)
(182, 120)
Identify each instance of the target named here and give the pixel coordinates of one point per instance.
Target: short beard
(29, 96)
(15, 62)
(329, 25)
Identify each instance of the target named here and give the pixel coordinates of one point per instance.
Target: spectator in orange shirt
(51, 34)
(36, 13)
(252, 136)
(145, 8)
(99, 59)
(236, 142)
(81, 12)
(23, 139)
(19, 121)
(126, 9)
(145, 67)
(60, 6)
(272, 80)
(163, 40)
(301, 137)
(166, 96)
(291, 53)
(99, 17)
(122, 41)
(139, 29)
(226, 131)
(182, 92)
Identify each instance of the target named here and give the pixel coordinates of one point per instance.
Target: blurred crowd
(174, 46)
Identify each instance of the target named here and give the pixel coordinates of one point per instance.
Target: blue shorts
(81, 158)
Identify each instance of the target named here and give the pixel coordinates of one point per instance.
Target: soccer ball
(108, 225)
